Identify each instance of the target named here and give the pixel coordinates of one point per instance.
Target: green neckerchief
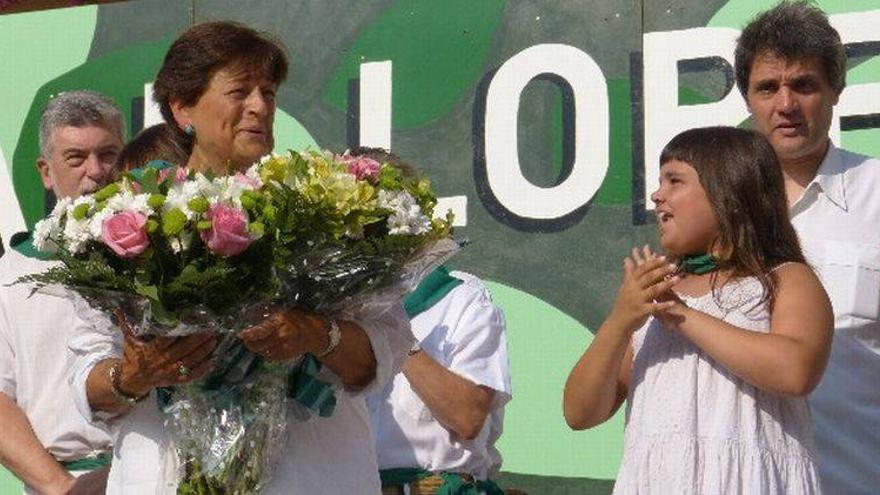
(453, 483)
(430, 291)
(87, 463)
(401, 476)
(698, 264)
(138, 173)
(26, 247)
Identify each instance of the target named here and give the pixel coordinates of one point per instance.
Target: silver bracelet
(122, 397)
(335, 337)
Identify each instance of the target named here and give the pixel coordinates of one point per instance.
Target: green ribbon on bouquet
(304, 386)
(317, 395)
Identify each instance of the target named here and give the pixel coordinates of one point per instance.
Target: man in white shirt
(45, 441)
(791, 68)
(436, 424)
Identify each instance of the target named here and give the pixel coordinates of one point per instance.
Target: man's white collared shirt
(838, 223)
(34, 369)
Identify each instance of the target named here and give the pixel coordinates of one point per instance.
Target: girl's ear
(720, 252)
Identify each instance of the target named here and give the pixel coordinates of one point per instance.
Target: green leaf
(151, 292)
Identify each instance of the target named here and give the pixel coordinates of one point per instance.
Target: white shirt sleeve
(7, 356)
(479, 343)
(94, 339)
(391, 338)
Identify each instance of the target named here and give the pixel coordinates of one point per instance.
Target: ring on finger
(182, 370)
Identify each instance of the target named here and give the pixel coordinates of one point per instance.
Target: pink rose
(180, 174)
(228, 234)
(362, 167)
(124, 233)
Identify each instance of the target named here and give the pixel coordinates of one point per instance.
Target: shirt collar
(829, 177)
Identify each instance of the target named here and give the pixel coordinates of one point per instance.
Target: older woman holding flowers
(217, 89)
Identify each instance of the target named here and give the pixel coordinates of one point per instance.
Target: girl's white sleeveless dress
(692, 427)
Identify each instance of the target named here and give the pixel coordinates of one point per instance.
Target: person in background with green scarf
(437, 422)
(45, 442)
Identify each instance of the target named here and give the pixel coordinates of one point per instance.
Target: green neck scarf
(432, 289)
(25, 246)
(698, 264)
(453, 483)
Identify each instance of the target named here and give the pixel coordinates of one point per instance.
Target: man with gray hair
(45, 441)
(791, 69)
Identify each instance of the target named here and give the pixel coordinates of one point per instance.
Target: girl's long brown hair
(742, 178)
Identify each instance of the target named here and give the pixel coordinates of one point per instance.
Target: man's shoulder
(14, 265)
(857, 163)
(471, 287)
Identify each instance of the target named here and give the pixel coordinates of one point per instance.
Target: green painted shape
(865, 141)
(556, 133)
(616, 189)
(737, 13)
(555, 485)
(9, 483)
(543, 345)
(689, 96)
(426, 84)
(38, 47)
(120, 75)
(866, 72)
(290, 134)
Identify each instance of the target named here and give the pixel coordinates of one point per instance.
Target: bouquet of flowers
(180, 252)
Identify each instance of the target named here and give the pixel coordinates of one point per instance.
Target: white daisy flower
(46, 232)
(407, 217)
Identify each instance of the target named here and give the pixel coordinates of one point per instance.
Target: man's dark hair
(793, 31)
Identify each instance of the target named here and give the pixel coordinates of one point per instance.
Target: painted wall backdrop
(540, 123)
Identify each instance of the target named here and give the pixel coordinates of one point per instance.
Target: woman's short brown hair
(201, 51)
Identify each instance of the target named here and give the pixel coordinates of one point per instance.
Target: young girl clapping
(716, 344)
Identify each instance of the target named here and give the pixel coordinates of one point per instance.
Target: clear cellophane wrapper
(226, 432)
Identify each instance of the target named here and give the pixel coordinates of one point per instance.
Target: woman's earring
(189, 130)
